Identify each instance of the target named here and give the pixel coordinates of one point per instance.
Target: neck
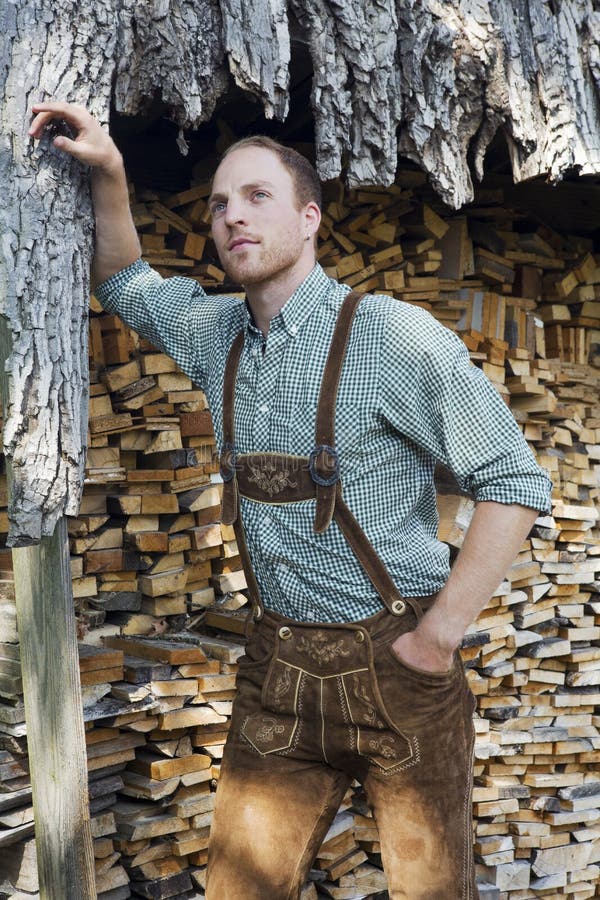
(266, 298)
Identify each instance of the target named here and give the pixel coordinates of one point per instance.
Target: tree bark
(356, 92)
(433, 81)
(170, 49)
(46, 227)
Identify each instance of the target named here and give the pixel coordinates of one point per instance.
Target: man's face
(257, 228)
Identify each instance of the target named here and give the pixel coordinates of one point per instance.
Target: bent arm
(451, 410)
(117, 243)
(491, 543)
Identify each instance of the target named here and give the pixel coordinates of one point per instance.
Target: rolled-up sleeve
(174, 314)
(434, 395)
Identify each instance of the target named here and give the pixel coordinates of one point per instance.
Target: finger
(39, 123)
(74, 115)
(56, 106)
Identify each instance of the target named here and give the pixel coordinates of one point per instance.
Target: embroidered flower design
(321, 649)
(270, 479)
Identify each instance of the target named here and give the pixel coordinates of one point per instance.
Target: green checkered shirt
(408, 397)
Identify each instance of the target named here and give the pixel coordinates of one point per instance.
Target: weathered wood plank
(55, 734)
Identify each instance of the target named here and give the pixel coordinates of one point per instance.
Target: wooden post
(53, 708)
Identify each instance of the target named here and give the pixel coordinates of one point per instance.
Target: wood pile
(158, 583)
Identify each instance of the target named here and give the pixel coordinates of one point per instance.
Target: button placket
(268, 378)
(245, 399)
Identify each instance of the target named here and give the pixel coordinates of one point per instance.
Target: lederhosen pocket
(273, 728)
(378, 737)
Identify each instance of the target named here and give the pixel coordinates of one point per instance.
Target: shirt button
(263, 408)
(293, 329)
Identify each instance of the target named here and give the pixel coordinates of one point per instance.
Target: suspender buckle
(228, 461)
(329, 462)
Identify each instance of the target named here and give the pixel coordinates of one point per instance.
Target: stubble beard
(255, 268)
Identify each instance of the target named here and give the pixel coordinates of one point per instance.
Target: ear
(312, 218)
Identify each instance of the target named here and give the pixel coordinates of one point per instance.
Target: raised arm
(117, 243)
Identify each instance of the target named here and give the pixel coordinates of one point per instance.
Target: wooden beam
(53, 708)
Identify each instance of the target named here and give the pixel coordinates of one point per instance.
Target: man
(330, 411)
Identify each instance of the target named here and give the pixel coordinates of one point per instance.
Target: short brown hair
(306, 181)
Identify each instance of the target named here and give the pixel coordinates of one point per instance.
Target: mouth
(241, 243)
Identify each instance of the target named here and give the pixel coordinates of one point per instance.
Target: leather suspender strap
(329, 494)
(229, 379)
(371, 562)
(324, 464)
(230, 509)
(251, 582)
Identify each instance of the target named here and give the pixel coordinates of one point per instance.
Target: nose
(234, 212)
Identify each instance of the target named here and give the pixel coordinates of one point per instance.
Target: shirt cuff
(533, 491)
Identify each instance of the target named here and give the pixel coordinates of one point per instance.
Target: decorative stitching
(324, 677)
(384, 746)
(270, 479)
(346, 715)
(282, 685)
(299, 720)
(413, 758)
(320, 649)
(361, 694)
(268, 729)
(267, 732)
(322, 721)
(411, 761)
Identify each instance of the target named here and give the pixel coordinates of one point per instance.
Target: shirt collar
(301, 304)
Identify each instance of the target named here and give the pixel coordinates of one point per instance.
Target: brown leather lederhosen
(279, 479)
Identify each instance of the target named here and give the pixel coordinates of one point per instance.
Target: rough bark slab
(257, 41)
(529, 67)
(356, 94)
(170, 49)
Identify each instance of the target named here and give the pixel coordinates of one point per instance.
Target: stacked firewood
(158, 582)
